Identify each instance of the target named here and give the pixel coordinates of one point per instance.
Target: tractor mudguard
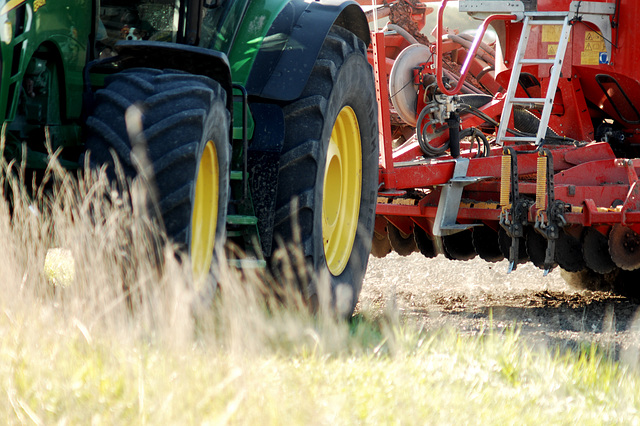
(291, 46)
(163, 55)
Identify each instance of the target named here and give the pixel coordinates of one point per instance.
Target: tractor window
(220, 23)
(143, 20)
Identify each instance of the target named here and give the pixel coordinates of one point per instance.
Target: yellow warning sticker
(593, 41)
(590, 58)
(594, 47)
(551, 33)
(552, 49)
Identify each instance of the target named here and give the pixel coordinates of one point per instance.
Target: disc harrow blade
(380, 245)
(624, 247)
(486, 244)
(401, 243)
(424, 242)
(595, 251)
(459, 246)
(569, 253)
(536, 247)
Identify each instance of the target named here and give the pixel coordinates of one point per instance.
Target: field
(96, 333)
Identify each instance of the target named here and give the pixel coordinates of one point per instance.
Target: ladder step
(519, 138)
(537, 61)
(547, 14)
(528, 101)
(546, 22)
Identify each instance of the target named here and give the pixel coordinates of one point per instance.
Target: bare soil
(474, 295)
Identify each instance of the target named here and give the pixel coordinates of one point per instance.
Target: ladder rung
(527, 101)
(546, 22)
(547, 14)
(519, 138)
(537, 61)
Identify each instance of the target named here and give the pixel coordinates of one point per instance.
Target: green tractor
(256, 116)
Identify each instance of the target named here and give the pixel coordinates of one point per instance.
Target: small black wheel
(185, 126)
(329, 169)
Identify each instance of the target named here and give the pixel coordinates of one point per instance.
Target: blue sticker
(604, 58)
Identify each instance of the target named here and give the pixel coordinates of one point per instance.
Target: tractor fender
(163, 55)
(292, 44)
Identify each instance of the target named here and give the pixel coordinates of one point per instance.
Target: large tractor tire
(329, 170)
(186, 131)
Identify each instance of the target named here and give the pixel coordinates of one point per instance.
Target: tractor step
(237, 219)
(236, 175)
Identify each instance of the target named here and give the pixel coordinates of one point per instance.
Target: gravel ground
(465, 295)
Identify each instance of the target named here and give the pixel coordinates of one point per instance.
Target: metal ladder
(532, 19)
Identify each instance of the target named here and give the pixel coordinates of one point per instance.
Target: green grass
(51, 372)
(114, 342)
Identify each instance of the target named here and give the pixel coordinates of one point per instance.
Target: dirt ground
(473, 295)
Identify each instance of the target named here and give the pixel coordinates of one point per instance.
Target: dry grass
(113, 340)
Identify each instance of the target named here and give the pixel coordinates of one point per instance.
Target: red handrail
(472, 51)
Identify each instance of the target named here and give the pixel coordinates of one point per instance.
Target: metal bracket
(632, 202)
(449, 203)
(480, 9)
(513, 220)
(553, 213)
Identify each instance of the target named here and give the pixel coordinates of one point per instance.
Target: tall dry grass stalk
(110, 270)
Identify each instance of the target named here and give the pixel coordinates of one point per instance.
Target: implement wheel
(185, 126)
(329, 169)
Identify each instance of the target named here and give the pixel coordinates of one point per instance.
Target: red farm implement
(524, 148)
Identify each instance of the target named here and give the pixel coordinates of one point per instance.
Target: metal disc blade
(424, 242)
(569, 253)
(403, 244)
(624, 247)
(595, 251)
(485, 242)
(380, 245)
(459, 246)
(536, 247)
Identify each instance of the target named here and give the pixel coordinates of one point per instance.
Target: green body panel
(242, 42)
(256, 23)
(61, 27)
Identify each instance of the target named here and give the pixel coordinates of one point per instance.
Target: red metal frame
(599, 190)
(472, 52)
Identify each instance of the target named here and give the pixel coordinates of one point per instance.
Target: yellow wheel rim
(341, 191)
(205, 213)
